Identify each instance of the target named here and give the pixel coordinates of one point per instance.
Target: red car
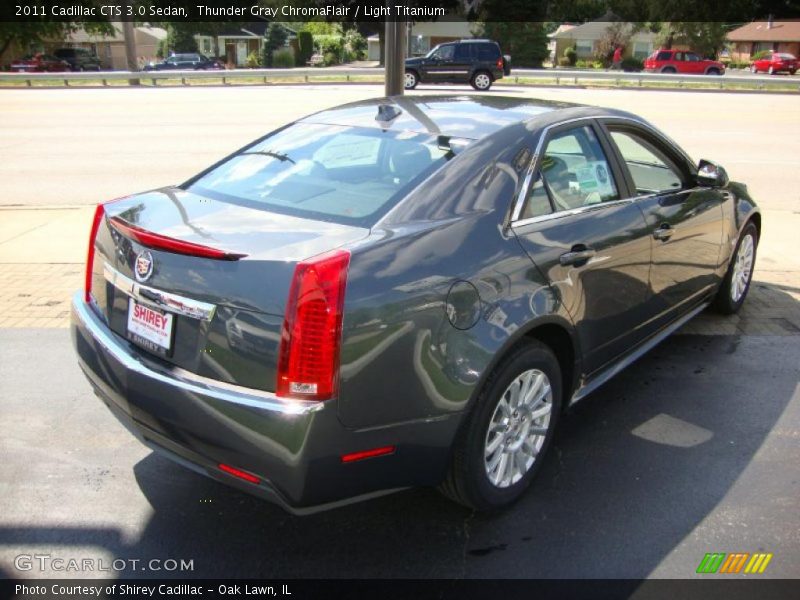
(681, 61)
(40, 62)
(775, 62)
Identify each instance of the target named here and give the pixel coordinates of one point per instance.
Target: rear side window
(346, 175)
(488, 52)
(664, 56)
(463, 52)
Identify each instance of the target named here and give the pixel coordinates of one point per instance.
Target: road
(694, 449)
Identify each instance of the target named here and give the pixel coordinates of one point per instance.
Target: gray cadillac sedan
(402, 292)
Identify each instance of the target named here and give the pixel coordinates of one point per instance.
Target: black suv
(477, 62)
(79, 59)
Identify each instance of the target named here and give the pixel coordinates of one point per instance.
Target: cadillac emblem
(143, 266)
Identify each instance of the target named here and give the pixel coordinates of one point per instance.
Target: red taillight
(354, 456)
(170, 244)
(239, 473)
(308, 361)
(500, 63)
(99, 214)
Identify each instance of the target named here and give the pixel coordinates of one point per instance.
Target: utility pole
(396, 39)
(130, 48)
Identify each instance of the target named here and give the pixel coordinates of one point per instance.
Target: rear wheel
(734, 288)
(502, 443)
(481, 81)
(771, 70)
(753, 69)
(410, 80)
(713, 71)
(668, 70)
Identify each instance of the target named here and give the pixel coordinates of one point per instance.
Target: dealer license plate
(150, 328)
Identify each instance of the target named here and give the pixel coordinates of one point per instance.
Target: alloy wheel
(482, 81)
(742, 268)
(518, 428)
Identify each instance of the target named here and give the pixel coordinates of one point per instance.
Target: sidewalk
(43, 251)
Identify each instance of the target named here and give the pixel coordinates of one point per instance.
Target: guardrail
(554, 76)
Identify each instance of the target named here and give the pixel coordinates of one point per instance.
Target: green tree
(26, 35)
(274, 39)
(525, 41)
(705, 38)
(305, 43)
(180, 36)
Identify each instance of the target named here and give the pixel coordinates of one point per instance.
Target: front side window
(443, 52)
(665, 56)
(652, 172)
(348, 175)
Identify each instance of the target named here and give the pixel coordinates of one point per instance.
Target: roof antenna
(387, 112)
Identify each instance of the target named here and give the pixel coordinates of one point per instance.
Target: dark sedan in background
(402, 292)
(185, 62)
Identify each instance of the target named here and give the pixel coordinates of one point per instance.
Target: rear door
(590, 241)
(684, 221)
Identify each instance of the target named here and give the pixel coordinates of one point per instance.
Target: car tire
(669, 70)
(771, 71)
(733, 290)
(481, 81)
(410, 80)
(472, 480)
(792, 72)
(753, 69)
(713, 71)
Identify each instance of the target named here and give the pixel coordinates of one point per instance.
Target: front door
(588, 240)
(440, 66)
(684, 221)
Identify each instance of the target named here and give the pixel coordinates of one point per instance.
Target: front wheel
(500, 446)
(734, 288)
(753, 69)
(771, 71)
(481, 81)
(410, 80)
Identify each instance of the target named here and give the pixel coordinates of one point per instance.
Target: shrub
(325, 44)
(253, 61)
(329, 58)
(632, 64)
(305, 43)
(356, 44)
(580, 63)
(283, 59)
(760, 54)
(563, 62)
(571, 54)
(598, 64)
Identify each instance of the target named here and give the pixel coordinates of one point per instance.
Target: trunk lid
(227, 314)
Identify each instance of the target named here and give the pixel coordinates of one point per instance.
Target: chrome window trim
(534, 166)
(173, 303)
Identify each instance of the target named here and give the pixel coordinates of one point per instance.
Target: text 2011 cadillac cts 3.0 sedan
(402, 292)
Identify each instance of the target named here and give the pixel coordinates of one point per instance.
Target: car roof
(470, 117)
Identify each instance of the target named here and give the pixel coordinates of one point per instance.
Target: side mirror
(711, 174)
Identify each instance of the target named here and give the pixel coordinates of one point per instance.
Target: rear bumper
(294, 448)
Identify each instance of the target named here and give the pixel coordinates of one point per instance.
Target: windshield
(346, 175)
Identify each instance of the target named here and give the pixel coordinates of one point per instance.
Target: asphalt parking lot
(694, 449)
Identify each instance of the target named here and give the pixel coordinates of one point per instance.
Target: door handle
(578, 256)
(664, 232)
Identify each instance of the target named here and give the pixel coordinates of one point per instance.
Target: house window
(206, 46)
(584, 48)
(642, 50)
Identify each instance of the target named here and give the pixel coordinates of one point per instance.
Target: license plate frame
(144, 328)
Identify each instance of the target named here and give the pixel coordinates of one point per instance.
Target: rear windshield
(334, 173)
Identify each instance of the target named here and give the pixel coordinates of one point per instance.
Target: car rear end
(652, 64)
(785, 62)
(212, 315)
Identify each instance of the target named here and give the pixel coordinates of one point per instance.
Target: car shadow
(634, 469)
